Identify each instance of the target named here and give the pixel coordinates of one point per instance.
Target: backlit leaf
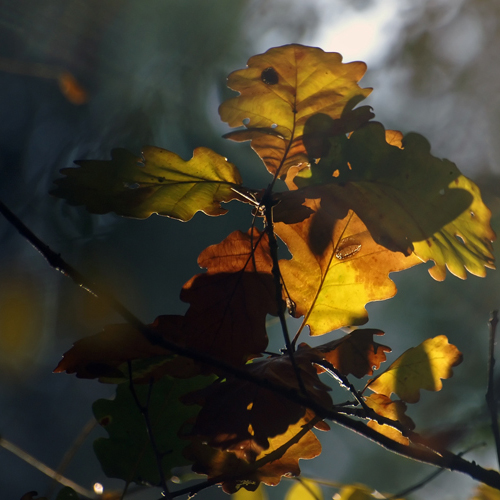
(336, 268)
(229, 303)
(281, 90)
(282, 457)
(355, 353)
(356, 492)
(395, 410)
(408, 199)
(157, 182)
(244, 494)
(235, 413)
(420, 367)
(305, 489)
(105, 355)
(127, 454)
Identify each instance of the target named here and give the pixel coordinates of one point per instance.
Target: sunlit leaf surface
(157, 182)
(420, 367)
(281, 90)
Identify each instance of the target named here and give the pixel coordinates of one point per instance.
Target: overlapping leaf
(336, 268)
(420, 367)
(105, 355)
(158, 182)
(282, 457)
(408, 199)
(127, 453)
(230, 302)
(281, 90)
(235, 413)
(356, 352)
(395, 410)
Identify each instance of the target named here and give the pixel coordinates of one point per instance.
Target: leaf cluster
(362, 202)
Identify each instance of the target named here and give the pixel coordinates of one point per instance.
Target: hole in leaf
(472, 214)
(460, 239)
(131, 186)
(441, 192)
(246, 121)
(274, 125)
(269, 76)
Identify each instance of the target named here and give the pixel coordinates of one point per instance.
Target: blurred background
(79, 78)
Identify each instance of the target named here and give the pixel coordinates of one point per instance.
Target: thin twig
(442, 458)
(70, 453)
(268, 202)
(429, 478)
(491, 399)
(144, 409)
(45, 469)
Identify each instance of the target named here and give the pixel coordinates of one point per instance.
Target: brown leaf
(395, 410)
(355, 353)
(235, 413)
(105, 354)
(281, 458)
(230, 302)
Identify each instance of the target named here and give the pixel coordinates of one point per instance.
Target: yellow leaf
(336, 268)
(305, 489)
(420, 367)
(395, 410)
(159, 182)
(485, 492)
(355, 492)
(409, 200)
(281, 90)
(244, 494)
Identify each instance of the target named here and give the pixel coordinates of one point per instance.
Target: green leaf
(409, 200)
(67, 493)
(127, 453)
(158, 182)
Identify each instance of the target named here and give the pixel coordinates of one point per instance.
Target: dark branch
(443, 459)
(491, 398)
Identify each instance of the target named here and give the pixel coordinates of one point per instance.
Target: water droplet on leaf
(347, 248)
(269, 76)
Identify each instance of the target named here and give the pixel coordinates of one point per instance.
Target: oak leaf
(127, 453)
(281, 90)
(233, 471)
(157, 182)
(395, 410)
(105, 355)
(336, 268)
(235, 413)
(356, 353)
(229, 303)
(409, 200)
(420, 367)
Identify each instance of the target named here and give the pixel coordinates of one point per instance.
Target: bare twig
(144, 409)
(491, 398)
(429, 478)
(442, 458)
(45, 469)
(268, 202)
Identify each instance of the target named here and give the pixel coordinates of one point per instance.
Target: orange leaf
(336, 268)
(284, 88)
(420, 367)
(230, 302)
(355, 353)
(104, 354)
(282, 457)
(235, 413)
(395, 410)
